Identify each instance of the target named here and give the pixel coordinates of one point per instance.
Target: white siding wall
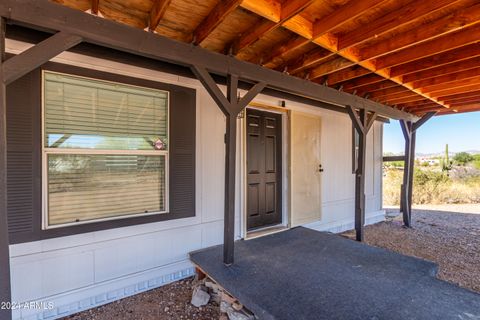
(81, 271)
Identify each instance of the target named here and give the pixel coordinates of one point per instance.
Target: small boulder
(199, 297)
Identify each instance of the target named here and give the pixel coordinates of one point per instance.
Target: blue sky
(460, 131)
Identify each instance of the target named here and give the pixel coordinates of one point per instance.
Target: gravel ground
(170, 302)
(448, 235)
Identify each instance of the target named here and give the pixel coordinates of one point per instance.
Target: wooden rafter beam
(453, 88)
(268, 9)
(213, 20)
(464, 102)
(393, 98)
(463, 109)
(386, 84)
(443, 79)
(274, 58)
(398, 101)
(331, 66)
(346, 75)
(407, 14)
(307, 60)
(363, 81)
(452, 22)
(287, 11)
(413, 105)
(45, 15)
(342, 15)
(156, 13)
(450, 98)
(432, 47)
(442, 59)
(392, 91)
(428, 109)
(94, 6)
(442, 70)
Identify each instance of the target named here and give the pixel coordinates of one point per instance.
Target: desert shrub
(391, 186)
(394, 164)
(432, 187)
(476, 164)
(462, 158)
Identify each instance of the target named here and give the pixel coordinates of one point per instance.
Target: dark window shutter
(182, 150)
(23, 156)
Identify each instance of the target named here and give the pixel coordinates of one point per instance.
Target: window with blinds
(105, 150)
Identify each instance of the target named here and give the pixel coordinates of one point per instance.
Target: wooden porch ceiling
(416, 56)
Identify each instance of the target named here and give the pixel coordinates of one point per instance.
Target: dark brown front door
(264, 169)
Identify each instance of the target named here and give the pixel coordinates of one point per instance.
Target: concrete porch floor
(306, 274)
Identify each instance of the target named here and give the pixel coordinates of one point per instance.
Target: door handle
(320, 169)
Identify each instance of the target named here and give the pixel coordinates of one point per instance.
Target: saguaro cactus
(446, 163)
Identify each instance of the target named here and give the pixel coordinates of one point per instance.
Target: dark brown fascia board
(45, 15)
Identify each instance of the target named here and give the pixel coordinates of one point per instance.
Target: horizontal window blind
(90, 187)
(106, 149)
(87, 113)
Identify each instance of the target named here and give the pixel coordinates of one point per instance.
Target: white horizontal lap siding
(81, 271)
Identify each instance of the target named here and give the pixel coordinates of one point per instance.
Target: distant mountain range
(436, 154)
(440, 154)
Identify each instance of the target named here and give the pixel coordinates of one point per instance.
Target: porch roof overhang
(413, 56)
(73, 26)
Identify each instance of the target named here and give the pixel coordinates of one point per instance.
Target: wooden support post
(408, 166)
(5, 291)
(231, 107)
(409, 130)
(362, 125)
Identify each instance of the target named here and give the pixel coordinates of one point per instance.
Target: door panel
(305, 168)
(264, 169)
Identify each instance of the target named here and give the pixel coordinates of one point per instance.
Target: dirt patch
(170, 302)
(450, 239)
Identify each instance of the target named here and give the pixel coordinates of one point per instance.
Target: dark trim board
(45, 15)
(393, 158)
(183, 108)
(5, 291)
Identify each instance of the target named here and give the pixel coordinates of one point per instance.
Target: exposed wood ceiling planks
(218, 14)
(416, 55)
(286, 12)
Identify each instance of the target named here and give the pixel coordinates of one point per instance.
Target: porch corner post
(360, 184)
(411, 171)
(362, 125)
(5, 289)
(230, 167)
(409, 130)
(407, 168)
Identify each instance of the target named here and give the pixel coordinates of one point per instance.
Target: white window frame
(47, 151)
